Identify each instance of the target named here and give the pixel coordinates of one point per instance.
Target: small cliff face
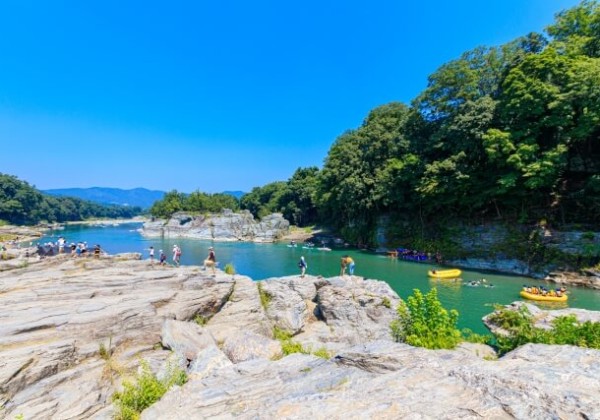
(224, 226)
(57, 313)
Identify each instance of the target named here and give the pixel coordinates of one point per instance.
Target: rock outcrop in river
(56, 315)
(224, 226)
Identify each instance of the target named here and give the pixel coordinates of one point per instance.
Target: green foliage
(470, 337)
(145, 391)
(265, 298)
(201, 320)
(295, 198)
(196, 202)
(323, 353)
(288, 346)
(520, 328)
(385, 301)
(229, 269)
(423, 322)
(262, 201)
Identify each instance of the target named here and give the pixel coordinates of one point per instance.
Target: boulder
(185, 338)
(248, 345)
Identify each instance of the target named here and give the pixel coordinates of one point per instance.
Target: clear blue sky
(217, 95)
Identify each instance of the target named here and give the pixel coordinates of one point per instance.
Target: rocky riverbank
(224, 226)
(57, 314)
(11, 235)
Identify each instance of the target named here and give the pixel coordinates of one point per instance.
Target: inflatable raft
(445, 274)
(542, 298)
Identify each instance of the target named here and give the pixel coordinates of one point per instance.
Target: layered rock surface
(57, 314)
(224, 226)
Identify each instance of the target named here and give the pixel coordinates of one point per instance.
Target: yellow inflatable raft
(542, 298)
(445, 274)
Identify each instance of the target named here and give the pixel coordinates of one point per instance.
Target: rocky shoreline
(224, 226)
(58, 313)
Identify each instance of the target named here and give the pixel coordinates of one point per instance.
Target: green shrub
(145, 391)
(201, 320)
(521, 330)
(229, 269)
(323, 353)
(281, 335)
(385, 301)
(471, 337)
(288, 346)
(423, 322)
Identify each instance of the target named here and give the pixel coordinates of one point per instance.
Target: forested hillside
(21, 204)
(508, 133)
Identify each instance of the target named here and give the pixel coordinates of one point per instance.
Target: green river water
(261, 261)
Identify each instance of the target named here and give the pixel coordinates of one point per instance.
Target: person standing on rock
(151, 252)
(343, 265)
(350, 263)
(303, 266)
(211, 260)
(347, 262)
(176, 255)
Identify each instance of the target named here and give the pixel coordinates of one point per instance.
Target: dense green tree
(265, 200)
(298, 201)
(577, 30)
(196, 202)
(348, 188)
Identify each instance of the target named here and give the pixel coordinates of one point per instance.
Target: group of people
(210, 261)
(347, 263)
(558, 292)
(480, 282)
(79, 249)
(414, 255)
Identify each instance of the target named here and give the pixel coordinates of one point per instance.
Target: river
(262, 261)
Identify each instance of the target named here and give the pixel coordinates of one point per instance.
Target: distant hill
(135, 197)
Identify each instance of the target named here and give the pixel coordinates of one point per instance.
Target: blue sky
(220, 95)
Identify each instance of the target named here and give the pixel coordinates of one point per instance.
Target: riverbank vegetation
(22, 204)
(423, 322)
(520, 329)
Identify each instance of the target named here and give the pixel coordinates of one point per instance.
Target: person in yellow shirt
(347, 262)
(350, 263)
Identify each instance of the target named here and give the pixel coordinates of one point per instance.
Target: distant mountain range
(141, 197)
(135, 197)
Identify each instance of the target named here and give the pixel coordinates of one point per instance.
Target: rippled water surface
(260, 261)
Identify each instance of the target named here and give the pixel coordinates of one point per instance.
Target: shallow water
(261, 261)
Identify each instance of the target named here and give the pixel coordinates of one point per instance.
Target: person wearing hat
(211, 260)
(163, 257)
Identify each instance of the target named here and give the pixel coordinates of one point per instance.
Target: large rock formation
(224, 226)
(72, 329)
